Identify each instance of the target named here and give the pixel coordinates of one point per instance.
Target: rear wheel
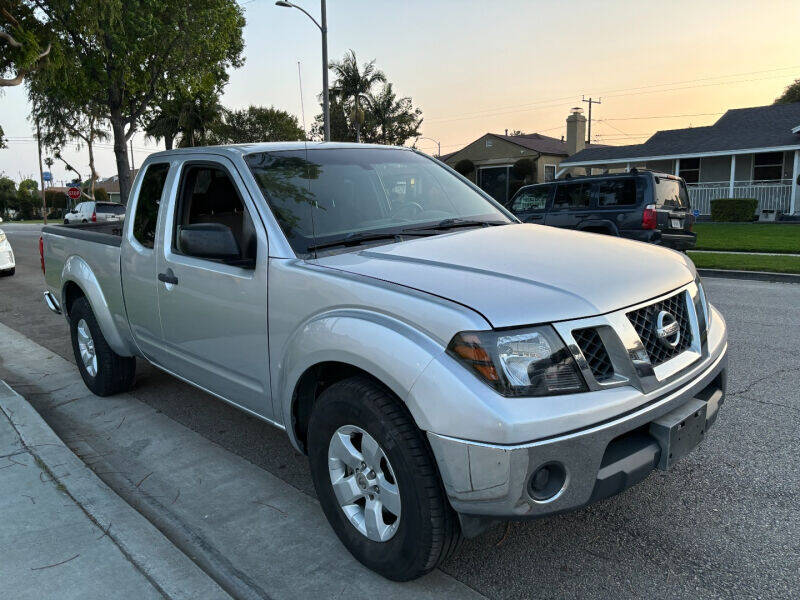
(103, 371)
(377, 481)
(8, 272)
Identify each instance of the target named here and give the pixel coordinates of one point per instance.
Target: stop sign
(74, 193)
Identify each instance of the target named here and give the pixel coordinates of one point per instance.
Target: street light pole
(326, 113)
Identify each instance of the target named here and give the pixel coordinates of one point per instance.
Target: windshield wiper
(355, 238)
(454, 222)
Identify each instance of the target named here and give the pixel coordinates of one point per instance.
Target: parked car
(640, 205)
(7, 263)
(95, 212)
(443, 365)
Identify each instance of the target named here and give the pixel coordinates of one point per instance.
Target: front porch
(771, 195)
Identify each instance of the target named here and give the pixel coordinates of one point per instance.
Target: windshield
(321, 196)
(671, 192)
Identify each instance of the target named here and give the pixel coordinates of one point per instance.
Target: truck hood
(523, 274)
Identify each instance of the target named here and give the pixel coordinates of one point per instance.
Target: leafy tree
(341, 129)
(23, 39)
(132, 53)
(256, 124)
(55, 199)
(8, 194)
(2, 138)
(790, 94)
(395, 120)
(101, 195)
(27, 198)
(353, 86)
(65, 117)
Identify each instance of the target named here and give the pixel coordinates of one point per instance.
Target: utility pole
(41, 172)
(133, 166)
(590, 101)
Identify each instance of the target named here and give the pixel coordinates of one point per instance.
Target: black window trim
(178, 205)
(135, 210)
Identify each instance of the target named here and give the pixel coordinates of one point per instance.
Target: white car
(95, 212)
(7, 264)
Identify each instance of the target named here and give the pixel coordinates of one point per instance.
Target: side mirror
(209, 240)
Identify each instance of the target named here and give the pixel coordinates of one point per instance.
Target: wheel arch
(343, 344)
(599, 226)
(79, 281)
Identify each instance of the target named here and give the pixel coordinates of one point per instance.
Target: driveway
(724, 523)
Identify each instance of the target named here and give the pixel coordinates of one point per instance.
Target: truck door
(213, 300)
(138, 258)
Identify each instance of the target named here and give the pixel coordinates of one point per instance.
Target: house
(500, 163)
(747, 153)
(111, 185)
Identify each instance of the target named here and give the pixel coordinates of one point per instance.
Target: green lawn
(746, 262)
(748, 237)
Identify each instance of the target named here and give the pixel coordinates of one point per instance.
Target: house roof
(536, 141)
(759, 127)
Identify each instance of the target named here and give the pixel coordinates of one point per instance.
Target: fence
(771, 195)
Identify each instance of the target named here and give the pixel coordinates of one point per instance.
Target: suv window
(144, 222)
(671, 193)
(616, 192)
(532, 199)
(111, 208)
(208, 195)
(572, 195)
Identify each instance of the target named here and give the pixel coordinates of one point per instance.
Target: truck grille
(643, 320)
(594, 351)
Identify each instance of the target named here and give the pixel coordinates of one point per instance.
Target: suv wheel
(377, 481)
(103, 371)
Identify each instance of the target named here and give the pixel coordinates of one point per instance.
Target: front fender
(107, 306)
(387, 348)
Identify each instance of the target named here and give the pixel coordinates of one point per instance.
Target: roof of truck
(242, 149)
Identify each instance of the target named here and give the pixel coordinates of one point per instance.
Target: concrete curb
(751, 275)
(165, 566)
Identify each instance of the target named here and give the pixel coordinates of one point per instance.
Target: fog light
(547, 481)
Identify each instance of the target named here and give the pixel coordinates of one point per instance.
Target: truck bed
(88, 255)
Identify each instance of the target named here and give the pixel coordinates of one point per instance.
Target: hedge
(465, 166)
(733, 209)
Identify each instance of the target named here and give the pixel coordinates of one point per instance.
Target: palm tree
(396, 120)
(353, 85)
(185, 116)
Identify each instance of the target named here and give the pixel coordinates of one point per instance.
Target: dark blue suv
(641, 205)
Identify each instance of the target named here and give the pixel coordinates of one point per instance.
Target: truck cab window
(144, 221)
(208, 196)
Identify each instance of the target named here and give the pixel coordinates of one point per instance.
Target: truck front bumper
(582, 466)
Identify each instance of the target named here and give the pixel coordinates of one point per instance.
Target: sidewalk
(65, 534)
(253, 533)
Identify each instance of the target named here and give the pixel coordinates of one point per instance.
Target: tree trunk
(121, 154)
(90, 146)
(168, 141)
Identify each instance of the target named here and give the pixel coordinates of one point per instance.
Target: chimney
(576, 131)
(506, 131)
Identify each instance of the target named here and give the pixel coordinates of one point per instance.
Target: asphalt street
(725, 522)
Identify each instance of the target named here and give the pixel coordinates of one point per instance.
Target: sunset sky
(485, 66)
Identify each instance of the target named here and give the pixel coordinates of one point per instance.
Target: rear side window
(616, 192)
(531, 200)
(144, 222)
(572, 195)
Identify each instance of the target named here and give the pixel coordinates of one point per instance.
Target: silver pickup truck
(443, 365)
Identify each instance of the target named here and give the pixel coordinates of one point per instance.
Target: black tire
(8, 272)
(84, 221)
(429, 529)
(66, 222)
(115, 373)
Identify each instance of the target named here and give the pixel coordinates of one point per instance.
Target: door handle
(168, 277)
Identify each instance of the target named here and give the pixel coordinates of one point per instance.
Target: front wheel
(377, 481)
(103, 371)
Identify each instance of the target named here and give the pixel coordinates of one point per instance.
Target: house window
(690, 170)
(549, 172)
(488, 142)
(768, 166)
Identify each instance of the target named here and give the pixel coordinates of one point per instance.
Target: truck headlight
(523, 362)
